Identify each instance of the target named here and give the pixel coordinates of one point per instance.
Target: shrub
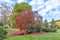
(53, 30)
(29, 30)
(45, 30)
(3, 34)
(53, 26)
(37, 29)
(1, 24)
(49, 30)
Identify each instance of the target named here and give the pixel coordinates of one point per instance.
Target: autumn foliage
(25, 19)
(28, 22)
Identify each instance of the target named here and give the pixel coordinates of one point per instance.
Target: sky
(48, 9)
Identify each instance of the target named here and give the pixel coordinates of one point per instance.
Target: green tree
(53, 26)
(19, 7)
(46, 26)
(5, 12)
(1, 24)
(46, 23)
(3, 34)
(53, 23)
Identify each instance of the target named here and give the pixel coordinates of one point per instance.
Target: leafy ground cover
(46, 36)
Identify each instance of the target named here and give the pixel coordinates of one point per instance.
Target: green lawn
(46, 36)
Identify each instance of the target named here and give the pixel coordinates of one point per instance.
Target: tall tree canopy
(53, 25)
(46, 23)
(25, 19)
(19, 7)
(5, 11)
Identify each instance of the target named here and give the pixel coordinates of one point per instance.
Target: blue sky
(48, 9)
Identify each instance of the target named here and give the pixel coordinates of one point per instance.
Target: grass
(47, 36)
(11, 30)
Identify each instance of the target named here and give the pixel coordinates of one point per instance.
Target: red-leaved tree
(25, 19)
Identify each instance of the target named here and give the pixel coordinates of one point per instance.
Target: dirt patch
(21, 33)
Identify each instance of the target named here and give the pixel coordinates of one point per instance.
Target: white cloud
(32, 3)
(19, 1)
(9, 1)
(42, 12)
(47, 11)
(55, 14)
(55, 3)
(44, 8)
